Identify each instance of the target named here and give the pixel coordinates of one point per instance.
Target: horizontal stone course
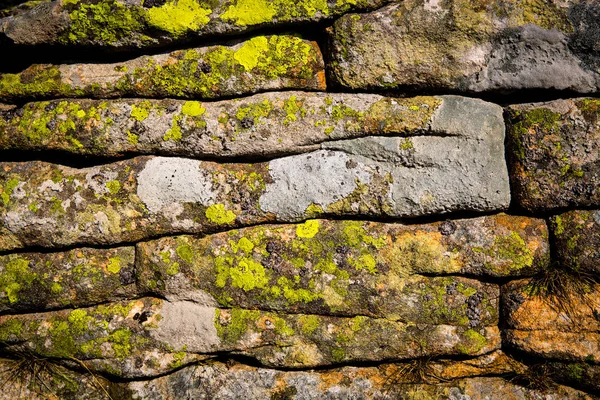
(120, 25)
(258, 64)
(149, 336)
(553, 150)
(469, 47)
(269, 124)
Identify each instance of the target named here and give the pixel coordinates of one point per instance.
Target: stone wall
(320, 199)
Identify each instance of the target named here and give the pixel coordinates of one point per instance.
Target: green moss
(178, 17)
(236, 327)
(256, 111)
(7, 190)
(474, 342)
(308, 229)
(56, 288)
(338, 354)
(219, 215)
(355, 235)
(406, 144)
(15, 277)
(514, 248)
(281, 327)
(364, 262)
(113, 186)
(114, 265)
(80, 321)
(120, 342)
(308, 324)
(186, 253)
(576, 371)
(36, 81)
(559, 227)
(33, 207)
(107, 22)
(172, 269)
(296, 295)
(10, 327)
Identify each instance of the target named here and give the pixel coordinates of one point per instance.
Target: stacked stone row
(220, 220)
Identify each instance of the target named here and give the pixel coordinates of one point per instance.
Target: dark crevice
(22, 56)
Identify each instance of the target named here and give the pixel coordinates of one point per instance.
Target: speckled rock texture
(554, 153)
(469, 46)
(322, 199)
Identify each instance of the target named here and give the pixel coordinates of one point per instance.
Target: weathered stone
(554, 153)
(258, 64)
(149, 336)
(261, 125)
(469, 46)
(121, 25)
(577, 240)
(50, 205)
(239, 382)
(556, 325)
(38, 281)
(349, 268)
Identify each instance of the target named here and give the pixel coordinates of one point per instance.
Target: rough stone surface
(257, 64)
(50, 205)
(149, 336)
(554, 154)
(556, 325)
(125, 25)
(577, 239)
(269, 124)
(469, 46)
(349, 267)
(37, 281)
(240, 382)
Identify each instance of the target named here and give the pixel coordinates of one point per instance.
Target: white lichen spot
(321, 178)
(165, 181)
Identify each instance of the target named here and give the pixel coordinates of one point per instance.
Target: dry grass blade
(564, 289)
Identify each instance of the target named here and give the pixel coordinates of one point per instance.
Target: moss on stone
(15, 277)
(236, 325)
(308, 324)
(114, 265)
(186, 253)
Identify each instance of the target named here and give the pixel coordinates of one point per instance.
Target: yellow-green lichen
(193, 108)
(7, 190)
(186, 253)
(308, 323)
(107, 22)
(114, 265)
(255, 12)
(473, 342)
(140, 112)
(236, 326)
(113, 186)
(308, 229)
(217, 214)
(174, 133)
(178, 17)
(16, 276)
(514, 249)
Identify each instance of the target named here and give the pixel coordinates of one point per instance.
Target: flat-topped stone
(268, 124)
(51, 205)
(123, 25)
(80, 277)
(261, 63)
(148, 337)
(554, 154)
(471, 47)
